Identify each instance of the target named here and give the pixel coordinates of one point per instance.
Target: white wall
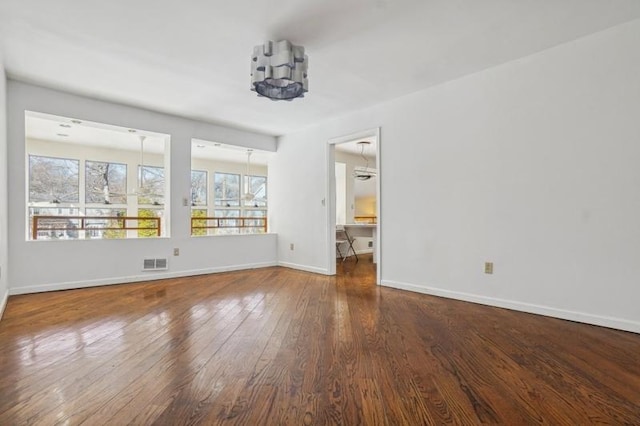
(533, 165)
(4, 201)
(49, 265)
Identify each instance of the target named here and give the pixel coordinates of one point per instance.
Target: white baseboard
(3, 302)
(304, 268)
(365, 251)
(604, 321)
(145, 276)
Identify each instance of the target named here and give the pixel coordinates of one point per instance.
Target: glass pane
(53, 180)
(226, 189)
(64, 227)
(151, 185)
(150, 224)
(105, 218)
(255, 226)
(228, 225)
(105, 183)
(226, 213)
(198, 188)
(196, 224)
(257, 186)
(255, 213)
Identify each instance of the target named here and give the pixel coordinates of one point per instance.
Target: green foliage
(146, 233)
(196, 223)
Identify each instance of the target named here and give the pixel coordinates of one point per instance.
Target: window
(199, 226)
(103, 223)
(257, 186)
(80, 184)
(153, 226)
(199, 188)
(105, 183)
(227, 189)
(150, 185)
(255, 226)
(53, 180)
(51, 228)
(235, 194)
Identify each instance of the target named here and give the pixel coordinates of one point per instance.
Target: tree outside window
(142, 213)
(105, 183)
(196, 223)
(198, 188)
(228, 225)
(151, 185)
(101, 223)
(53, 180)
(226, 189)
(48, 227)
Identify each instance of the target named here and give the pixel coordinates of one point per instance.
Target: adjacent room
(325, 212)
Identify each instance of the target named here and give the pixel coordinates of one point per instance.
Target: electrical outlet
(291, 246)
(176, 252)
(488, 267)
(185, 201)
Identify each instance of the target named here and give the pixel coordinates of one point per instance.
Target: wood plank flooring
(281, 347)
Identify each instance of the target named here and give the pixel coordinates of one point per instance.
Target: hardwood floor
(278, 346)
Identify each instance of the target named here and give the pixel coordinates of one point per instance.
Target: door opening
(353, 172)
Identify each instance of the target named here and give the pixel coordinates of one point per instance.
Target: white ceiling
(191, 58)
(353, 147)
(49, 127)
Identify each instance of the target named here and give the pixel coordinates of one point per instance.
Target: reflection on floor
(364, 269)
(279, 346)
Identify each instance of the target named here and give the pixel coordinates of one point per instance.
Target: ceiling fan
(248, 195)
(144, 189)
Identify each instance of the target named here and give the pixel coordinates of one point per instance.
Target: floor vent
(154, 264)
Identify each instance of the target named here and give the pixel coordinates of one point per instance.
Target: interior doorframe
(331, 201)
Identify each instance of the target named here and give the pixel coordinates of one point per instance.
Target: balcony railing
(43, 225)
(203, 224)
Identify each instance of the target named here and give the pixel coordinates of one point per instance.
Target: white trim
(3, 303)
(145, 276)
(604, 321)
(305, 268)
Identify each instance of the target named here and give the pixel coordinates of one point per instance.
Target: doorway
(353, 170)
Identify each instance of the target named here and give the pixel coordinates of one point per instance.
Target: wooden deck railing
(258, 223)
(93, 223)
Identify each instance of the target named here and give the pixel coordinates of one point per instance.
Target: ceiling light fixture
(63, 135)
(76, 121)
(248, 195)
(279, 71)
(364, 173)
(66, 126)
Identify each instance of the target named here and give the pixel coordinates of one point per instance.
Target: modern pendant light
(279, 71)
(364, 173)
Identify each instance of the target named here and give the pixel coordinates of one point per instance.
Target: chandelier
(279, 71)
